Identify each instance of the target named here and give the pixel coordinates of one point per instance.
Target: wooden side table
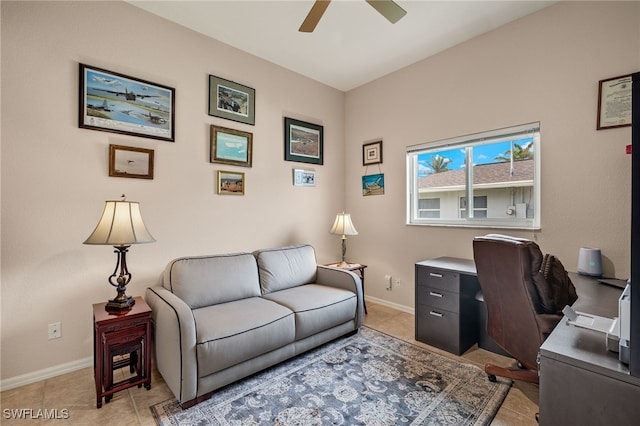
(117, 335)
(353, 267)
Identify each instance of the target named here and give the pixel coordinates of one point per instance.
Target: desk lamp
(343, 226)
(121, 225)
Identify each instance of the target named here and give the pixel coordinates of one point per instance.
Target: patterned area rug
(367, 379)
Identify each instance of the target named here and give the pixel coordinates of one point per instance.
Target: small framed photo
(130, 162)
(614, 102)
(303, 142)
(231, 100)
(304, 177)
(372, 153)
(373, 184)
(230, 183)
(113, 102)
(229, 146)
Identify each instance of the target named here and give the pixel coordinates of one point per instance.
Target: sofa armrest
(346, 280)
(174, 342)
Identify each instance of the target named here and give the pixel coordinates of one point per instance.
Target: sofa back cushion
(286, 267)
(209, 280)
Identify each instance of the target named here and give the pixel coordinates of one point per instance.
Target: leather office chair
(521, 303)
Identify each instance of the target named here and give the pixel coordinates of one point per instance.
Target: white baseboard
(58, 370)
(391, 305)
(47, 373)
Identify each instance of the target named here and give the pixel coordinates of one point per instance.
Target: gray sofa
(221, 318)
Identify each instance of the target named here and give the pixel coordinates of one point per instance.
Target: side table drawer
(439, 299)
(439, 328)
(438, 278)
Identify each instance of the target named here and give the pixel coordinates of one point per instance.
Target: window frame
(483, 138)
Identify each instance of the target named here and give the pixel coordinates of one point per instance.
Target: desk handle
(436, 314)
(433, 274)
(434, 294)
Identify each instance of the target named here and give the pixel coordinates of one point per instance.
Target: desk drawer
(438, 278)
(439, 328)
(438, 299)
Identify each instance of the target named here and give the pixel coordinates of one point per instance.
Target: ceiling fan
(387, 8)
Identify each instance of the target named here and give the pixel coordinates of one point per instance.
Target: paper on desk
(591, 322)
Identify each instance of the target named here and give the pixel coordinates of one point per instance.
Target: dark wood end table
(116, 335)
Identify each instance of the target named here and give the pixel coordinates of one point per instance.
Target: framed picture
(117, 103)
(304, 177)
(373, 184)
(303, 142)
(229, 146)
(372, 153)
(230, 183)
(231, 100)
(614, 102)
(127, 161)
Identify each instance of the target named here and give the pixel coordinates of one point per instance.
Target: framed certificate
(614, 102)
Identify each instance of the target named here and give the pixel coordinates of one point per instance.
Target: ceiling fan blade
(389, 9)
(312, 19)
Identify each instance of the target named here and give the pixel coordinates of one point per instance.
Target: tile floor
(75, 391)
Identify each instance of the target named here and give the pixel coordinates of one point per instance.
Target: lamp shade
(121, 224)
(343, 225)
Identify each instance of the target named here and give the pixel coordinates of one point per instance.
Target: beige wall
(55, 177)
(544, 67)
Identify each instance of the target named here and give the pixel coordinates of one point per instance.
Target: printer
(617, 329)
(624, 317)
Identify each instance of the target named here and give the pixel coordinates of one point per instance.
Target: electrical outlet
(397, 282)
(387, 280)
(55, 331)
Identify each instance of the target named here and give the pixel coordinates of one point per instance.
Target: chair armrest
(347, 280)
(174, 342)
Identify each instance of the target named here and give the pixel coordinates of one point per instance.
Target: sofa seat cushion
(233, 332)
(316, 307)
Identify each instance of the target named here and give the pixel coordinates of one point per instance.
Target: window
(429, 207)
(488, 179)
(479, 206)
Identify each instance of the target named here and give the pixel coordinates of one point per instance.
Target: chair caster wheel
(491, 378)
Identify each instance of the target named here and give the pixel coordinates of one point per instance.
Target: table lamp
(121, 225)
(343, 226)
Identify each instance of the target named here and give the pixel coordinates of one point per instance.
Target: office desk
(581, 383)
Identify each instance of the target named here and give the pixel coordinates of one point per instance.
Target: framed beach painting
(118, 103)
(373, 184)
(229, 146)
(230, 183)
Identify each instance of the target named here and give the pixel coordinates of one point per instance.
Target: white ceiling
(353, 44)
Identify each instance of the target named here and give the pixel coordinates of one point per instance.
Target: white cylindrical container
(590, 262)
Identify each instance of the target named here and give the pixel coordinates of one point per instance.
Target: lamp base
(120, 304)
(343, 265)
